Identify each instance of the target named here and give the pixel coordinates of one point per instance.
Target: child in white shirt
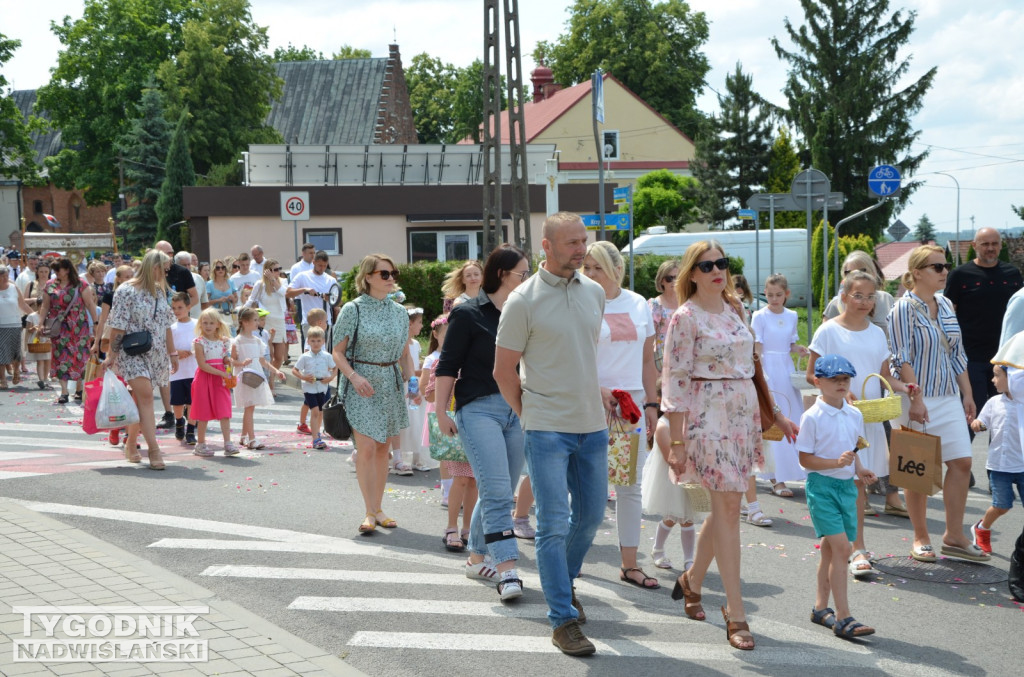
(316, 369)
(828, 442)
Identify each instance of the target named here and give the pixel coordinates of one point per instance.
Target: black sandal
(78, 396)
(63, 399)
(455, 544)
(640, 584)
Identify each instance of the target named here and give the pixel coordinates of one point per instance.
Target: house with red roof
(893, 257)
(637, 139)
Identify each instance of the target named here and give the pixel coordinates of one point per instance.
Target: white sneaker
(202, 450)
(482, 571)
(510, 588)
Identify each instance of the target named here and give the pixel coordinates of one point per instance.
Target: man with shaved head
(980, 290)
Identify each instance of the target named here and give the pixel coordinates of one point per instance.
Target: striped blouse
(915, 338)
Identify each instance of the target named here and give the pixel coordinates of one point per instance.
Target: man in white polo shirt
(549, 327)
(305, 263)
(312, 288)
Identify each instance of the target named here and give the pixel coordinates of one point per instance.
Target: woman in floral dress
(663, 305)
(714, 421)
(140, 304)
(375, 402)
(68, 296)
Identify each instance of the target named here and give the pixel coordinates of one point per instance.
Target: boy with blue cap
(830, 436)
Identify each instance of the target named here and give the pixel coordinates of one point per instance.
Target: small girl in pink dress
(211, 397)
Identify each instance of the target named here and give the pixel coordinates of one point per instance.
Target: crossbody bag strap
(355, 335)
(64, 313)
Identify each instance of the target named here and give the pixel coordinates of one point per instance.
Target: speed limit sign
(295, 206)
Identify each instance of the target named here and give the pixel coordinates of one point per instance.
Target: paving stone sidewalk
(44, 562)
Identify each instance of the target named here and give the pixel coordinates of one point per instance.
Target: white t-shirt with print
(626, 325)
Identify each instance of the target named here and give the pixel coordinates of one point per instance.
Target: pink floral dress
(661, 316)
(71, 348)
(723, 434)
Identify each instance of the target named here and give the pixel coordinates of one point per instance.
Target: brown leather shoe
(569, 638)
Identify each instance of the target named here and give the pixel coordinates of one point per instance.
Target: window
(611, 145)
(37, 206)
(446, 245)
(327, 239)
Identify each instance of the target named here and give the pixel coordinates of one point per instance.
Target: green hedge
(422, 281)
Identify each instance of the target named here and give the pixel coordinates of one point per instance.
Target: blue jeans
(566, 467)
(492, 438)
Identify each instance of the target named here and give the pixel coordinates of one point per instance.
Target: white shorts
(946, 419)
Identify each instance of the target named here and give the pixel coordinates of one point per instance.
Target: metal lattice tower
(492, 128)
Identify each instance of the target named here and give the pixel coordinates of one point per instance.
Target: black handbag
(335, 419)
(138, 342)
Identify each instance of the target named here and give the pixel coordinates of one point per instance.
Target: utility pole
(492, 129)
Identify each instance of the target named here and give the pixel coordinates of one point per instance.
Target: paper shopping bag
(915, 461)
(623, 448)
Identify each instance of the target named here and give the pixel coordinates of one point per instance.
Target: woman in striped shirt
(927, 349)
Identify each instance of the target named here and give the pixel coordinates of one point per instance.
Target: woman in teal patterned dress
(68, 296)
(375, 402)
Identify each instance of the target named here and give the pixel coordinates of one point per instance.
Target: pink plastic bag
(92, 400)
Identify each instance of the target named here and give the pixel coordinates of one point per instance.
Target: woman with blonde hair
(625, 361)
(269, 293)
(221, 291)
(375, 369)
(663, 305)
(462, 284)
(860, 261)
(927, 349)
(714, 421)
(140, 305)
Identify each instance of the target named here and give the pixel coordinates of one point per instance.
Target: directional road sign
(611, 221)
(810, 184)
(784, 202)
(884, 181)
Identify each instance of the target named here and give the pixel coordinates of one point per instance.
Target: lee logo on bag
(915, 461)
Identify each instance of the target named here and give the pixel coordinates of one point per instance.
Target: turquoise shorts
(833, 505)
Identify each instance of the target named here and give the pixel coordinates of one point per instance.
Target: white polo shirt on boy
(827, 432)
(319, 365)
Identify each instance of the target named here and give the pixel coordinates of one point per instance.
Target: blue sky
(973, 118)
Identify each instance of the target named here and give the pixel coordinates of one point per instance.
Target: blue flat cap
(830, 366)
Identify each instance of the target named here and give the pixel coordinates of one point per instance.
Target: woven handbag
(881, 409)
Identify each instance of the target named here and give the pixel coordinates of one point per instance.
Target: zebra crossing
(34, 445)
(405, 611)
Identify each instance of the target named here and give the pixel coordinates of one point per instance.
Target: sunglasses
(851, 270)
(522, 275)
(669, 279)
(707, 266)
(937, 267)
(220, 267)
(234, 267)
(386, 274)
(276, 270)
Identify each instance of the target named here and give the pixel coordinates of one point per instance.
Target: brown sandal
(734, 631)
(692, 607)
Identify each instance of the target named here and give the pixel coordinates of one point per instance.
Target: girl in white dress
(855, 337)
(775, 334)
(247, 352)
(662, 496)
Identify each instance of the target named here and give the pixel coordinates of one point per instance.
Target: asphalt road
(275, 531)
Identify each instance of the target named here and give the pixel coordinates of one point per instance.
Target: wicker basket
(773, 434)
(40, 347)
(698, 496)
(884, 408)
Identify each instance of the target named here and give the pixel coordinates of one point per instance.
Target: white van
(790, 254)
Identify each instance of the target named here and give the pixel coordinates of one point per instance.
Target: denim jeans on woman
(493, 440)
(566, 467)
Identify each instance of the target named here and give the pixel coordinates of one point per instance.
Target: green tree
(293, 53)
(924, 231)
(105, 60)
(1019, 211)
(143, 149)
(733, 151)
(17, 157)
(179, 173)
(783, 166)
(847, 243)
(664, 198)
(447, 102)
(654, 49)
(845, 99)
(223, 77)
(349, 52)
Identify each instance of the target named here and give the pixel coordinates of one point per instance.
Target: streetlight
(957, 255)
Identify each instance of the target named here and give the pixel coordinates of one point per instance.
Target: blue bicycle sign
(884, 181)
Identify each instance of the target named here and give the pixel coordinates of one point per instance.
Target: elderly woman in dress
(376, 369)
(73, 302)
(714, 421)
(625, 361)
(140, 304)
(12, 307)
(927, 349)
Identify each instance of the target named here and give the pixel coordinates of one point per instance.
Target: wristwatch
(648, 405)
